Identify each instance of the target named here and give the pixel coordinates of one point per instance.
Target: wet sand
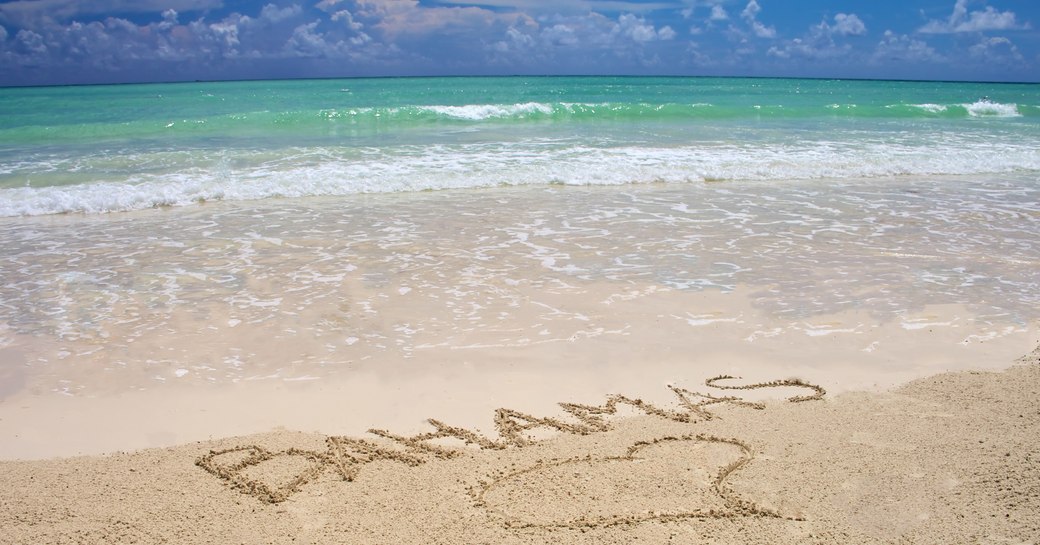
(581, 343)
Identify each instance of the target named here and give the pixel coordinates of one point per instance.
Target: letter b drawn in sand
(646, 483)
(241, 468)
(252, 469)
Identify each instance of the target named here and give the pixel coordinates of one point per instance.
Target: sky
(45, 42)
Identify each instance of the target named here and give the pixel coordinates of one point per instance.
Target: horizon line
(462, 76)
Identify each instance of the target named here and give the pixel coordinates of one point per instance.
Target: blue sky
(100, 41)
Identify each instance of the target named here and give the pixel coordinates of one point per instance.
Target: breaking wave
(213, 174)
(344, 120)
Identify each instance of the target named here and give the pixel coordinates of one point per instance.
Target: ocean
(302, 231)
(116, 148)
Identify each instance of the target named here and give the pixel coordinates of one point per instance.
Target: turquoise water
(115, 148)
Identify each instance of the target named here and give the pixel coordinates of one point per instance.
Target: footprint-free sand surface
(952, 458)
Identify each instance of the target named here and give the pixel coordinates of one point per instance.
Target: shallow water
(302, 289)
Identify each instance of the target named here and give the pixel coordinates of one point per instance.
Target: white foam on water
(706, 319)
(931, 108)
(323, 171)
(822, 330)
(985, 108)
(304, 378)
(914, 324)
(476, 112)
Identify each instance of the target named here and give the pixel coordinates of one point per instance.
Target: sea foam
(982, 108)
(324, 171)
(489, 111)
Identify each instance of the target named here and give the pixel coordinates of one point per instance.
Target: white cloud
(568, 6)
(274, 14)
(560, 35)
(639, 30)
(819, 42)
(31, 42)
(636, 28)
(306, 42)
(264, 42)
(327, 5)
(849, 25)
(347, 18)
(587, 42)
(762, 31)
(751, 10)
(718, 14)
(902, 48)
(961, 20)
(408, 20)
(799, 47)
(844, 25)
(750, 16)
(515, 41)
(996, 49)
(169, 19)
(33, 13)
(226, 32)
(280, 38)
(698, 57)
(116, 44)
(96, 43)
(785, 52)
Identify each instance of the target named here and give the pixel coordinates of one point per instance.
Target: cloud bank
(69, 41)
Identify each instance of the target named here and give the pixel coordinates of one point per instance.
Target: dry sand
(954, 458)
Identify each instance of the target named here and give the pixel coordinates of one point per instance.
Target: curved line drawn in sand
(347, 455)
(600, 506)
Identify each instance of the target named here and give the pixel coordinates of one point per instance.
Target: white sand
(946, 459)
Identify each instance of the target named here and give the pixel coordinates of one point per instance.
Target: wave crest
(324, 171)
(983, 108)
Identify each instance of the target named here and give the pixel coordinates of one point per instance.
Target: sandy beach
(950, 458)
(267, 372)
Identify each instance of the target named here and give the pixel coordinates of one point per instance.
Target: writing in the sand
(346, 456)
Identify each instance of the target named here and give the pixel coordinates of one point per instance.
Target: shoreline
(625, 341)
